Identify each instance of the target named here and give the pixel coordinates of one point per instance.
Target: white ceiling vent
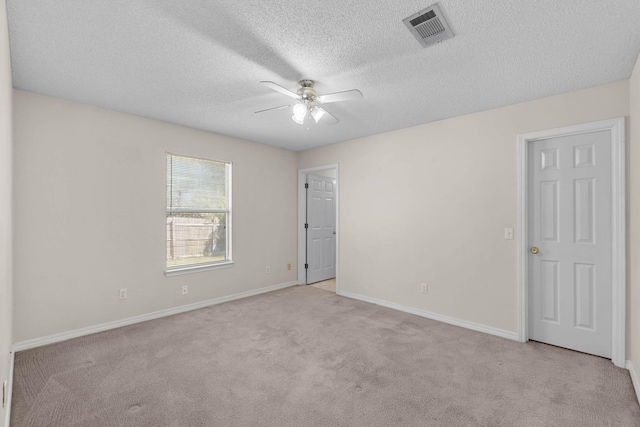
(429, 26)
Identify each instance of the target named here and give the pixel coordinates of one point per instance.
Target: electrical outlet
(123, 293)
(288, 266)
(185, 290)
(267, 269)
(423, 288)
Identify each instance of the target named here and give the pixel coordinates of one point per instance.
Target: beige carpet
(327, 285)
(306, 357)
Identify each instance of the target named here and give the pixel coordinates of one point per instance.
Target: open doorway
(318, 225)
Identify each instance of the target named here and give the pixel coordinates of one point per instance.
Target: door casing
(302, 214)
(618, 227)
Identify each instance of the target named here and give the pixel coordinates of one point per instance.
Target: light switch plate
(508, 233)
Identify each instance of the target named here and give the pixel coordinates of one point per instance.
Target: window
(198, 213)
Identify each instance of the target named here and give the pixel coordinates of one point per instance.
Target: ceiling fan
(307, 101)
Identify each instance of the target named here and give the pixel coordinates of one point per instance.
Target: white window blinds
(198, 212)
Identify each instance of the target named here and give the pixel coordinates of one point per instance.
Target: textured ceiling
(198, 63)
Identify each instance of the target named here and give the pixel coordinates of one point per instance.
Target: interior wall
(6, 308)
(429, 204)
(90, 215)
(633, 296)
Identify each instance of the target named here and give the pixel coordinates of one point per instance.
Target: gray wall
(429, 204)
(90, 215)
(633, 230)
(6, 312)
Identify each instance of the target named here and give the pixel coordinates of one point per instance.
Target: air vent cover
(429, 26)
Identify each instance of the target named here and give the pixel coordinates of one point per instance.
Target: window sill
(197, 268)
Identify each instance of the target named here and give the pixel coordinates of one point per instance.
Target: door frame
(302, 214)
(618, 227)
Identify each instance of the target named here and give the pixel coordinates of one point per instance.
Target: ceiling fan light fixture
(298, 120)
(300, 110)
(317, 114)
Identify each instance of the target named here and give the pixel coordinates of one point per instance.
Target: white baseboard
(9, 389)
(63, 336)
(434, 316)
(634, 379)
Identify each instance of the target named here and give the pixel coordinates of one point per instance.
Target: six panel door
(321, 239)
(569, 220)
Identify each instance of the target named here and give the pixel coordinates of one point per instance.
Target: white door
(569, 220)
(321, 228)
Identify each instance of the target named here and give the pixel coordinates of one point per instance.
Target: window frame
(208, 265)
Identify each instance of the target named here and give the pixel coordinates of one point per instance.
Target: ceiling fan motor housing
(306, 91)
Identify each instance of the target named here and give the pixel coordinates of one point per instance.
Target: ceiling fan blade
(274, 108)
(347, 95)
(321, 114)
(281, 89)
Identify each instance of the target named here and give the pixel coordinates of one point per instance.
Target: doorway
(571, 231)
(318, 257)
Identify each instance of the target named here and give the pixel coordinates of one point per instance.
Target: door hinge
(306, 185)
(306, 226)
(306, 266)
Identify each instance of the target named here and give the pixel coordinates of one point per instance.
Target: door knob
(534, 250)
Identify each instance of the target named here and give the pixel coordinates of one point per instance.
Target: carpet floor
(302, 356)
(327, 285)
